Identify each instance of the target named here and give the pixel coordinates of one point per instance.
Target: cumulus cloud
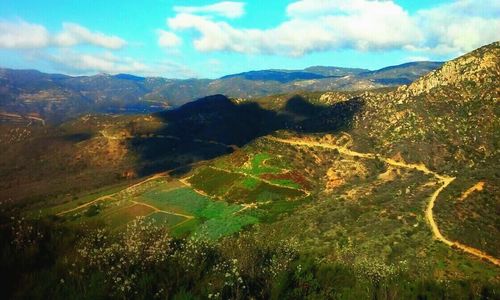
(378, 25)
(19, 34)
(167, 39)
(22, 35)
(417, 58)
(460, 26)
(312, 8)
(74, 34)
(77, 63)
(106, 62)
(228, 9)
(366, 25)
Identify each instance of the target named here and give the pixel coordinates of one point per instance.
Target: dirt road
(443, 180)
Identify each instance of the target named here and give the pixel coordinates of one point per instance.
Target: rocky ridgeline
(449, 114)
(478, 68)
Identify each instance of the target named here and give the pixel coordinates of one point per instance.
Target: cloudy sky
(198, 38)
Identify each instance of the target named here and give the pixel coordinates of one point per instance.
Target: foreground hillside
(387, 194)
(449, 121)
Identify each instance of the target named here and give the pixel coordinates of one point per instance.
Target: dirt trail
(186, 182)
(84, 205)
(307, 193)
(18, 116)
(162, 211)
(443, 179)
(429, 212)
(110, 196)
(246, 206)
(475, 188)
(108, 136)
(37, 119)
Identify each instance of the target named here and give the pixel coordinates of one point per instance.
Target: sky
(209, 39)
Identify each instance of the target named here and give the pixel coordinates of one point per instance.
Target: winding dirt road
(443, 180)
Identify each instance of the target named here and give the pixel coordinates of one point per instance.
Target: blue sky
(196, 38)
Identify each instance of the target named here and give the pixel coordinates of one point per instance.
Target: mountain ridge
(57, 97)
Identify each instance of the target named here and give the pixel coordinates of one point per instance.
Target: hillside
(449, 120)
(383, 194)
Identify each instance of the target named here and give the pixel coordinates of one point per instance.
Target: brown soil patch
(475, 188)
(294, 176)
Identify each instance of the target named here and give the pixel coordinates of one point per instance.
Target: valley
(135, 191)
(388, 193)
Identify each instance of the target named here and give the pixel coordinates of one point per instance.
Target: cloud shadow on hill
(215, 126)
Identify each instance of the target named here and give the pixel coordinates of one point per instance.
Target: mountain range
(56, 97)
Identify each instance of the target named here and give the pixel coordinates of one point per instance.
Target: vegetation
(143, 261)
(358, 195)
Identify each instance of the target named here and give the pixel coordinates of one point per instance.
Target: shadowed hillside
(215, 125)
(92, 151)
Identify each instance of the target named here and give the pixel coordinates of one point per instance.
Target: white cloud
(19, 34)
(312, 8)
(167, 39)
(365, 25)
(105, 62)
(460, 26)
(77, 63)
(74, 34)
(417, 58)
(228, 9)
(22, 35)
(378, 25)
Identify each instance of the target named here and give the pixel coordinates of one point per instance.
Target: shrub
(126, 256)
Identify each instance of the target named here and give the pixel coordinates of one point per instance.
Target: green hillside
(380, 194)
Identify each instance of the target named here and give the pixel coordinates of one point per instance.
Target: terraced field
(215, 200)
(248, 187)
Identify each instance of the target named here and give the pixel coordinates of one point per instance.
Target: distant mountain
(279, 76)
(401, 74)
(56, 97)
(130, 77)
(334, 71)
(393, 75)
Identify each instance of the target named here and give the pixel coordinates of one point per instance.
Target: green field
(168, 203)
(213, 181)
(236, 187)
(123, 216)
(182, 200)
(259, 165)
(215, 218)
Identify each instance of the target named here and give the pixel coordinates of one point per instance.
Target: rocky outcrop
(480, 67)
